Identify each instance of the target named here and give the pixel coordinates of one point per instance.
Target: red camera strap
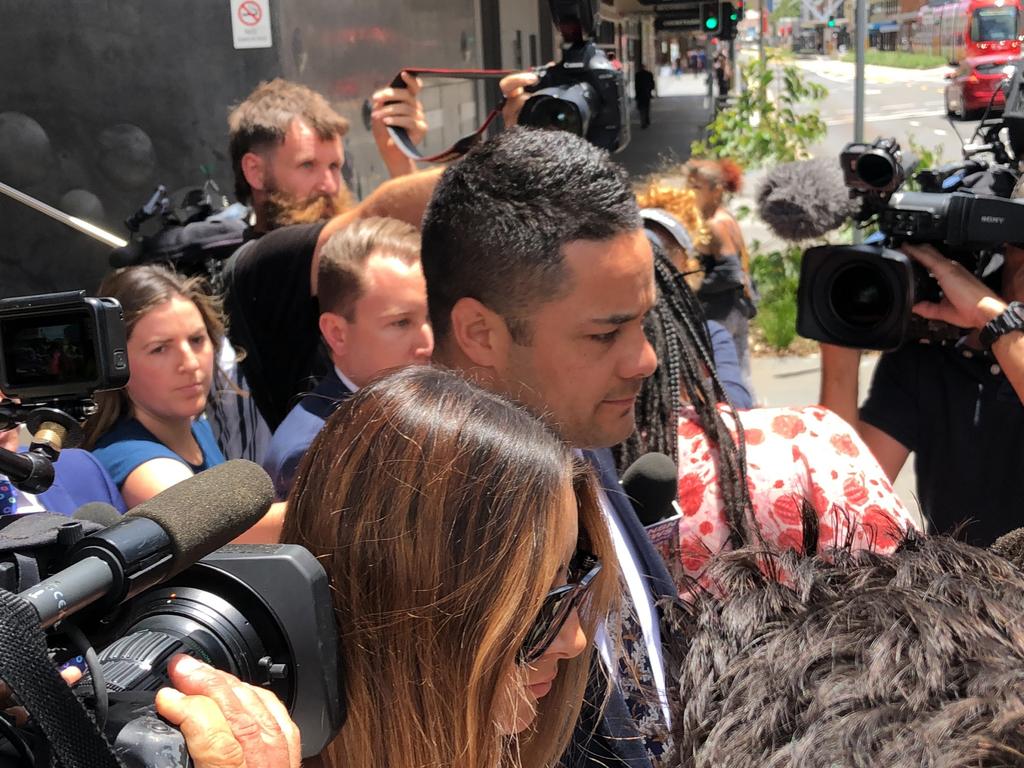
(463, 145)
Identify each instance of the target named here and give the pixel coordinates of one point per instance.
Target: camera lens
(551, 112)
(876, 170)
(860, 295)
(564, 107)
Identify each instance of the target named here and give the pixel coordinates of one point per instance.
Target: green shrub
(770, 121)
(777, 320)
(776, 274)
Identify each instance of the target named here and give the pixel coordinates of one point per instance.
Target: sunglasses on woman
(558, 605)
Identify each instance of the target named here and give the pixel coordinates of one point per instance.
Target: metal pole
(71, 221)
(860, 29)
(760, 32)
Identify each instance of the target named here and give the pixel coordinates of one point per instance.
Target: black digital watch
(1010, 319)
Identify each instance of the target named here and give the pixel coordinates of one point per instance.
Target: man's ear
(480, 334)
(254, 168)
(334, 329)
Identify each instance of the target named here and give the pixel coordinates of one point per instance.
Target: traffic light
(729, 19)
(831, 22)
(711, 22)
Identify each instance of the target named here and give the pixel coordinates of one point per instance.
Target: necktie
(636, 682)
(8, 497)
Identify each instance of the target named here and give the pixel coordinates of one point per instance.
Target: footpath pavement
(679, 114)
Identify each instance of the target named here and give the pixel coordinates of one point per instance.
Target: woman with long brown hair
(150, 435)
(464, 545)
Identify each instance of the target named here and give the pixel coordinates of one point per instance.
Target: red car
(972, 84)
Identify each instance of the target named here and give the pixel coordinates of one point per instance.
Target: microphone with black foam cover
(98, 512)
(1011, 546)
(156, 540)
(651, 483)
(806, 199)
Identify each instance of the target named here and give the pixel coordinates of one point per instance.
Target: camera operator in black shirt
(958, 409)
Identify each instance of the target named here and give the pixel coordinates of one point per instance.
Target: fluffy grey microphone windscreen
(205, 512)
(806, 199)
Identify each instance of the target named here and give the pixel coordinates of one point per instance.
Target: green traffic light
(831, 22)
(711, 23)
(733, 16)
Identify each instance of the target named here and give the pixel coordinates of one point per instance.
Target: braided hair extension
(677, 329)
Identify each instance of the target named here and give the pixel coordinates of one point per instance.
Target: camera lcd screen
(46, 351)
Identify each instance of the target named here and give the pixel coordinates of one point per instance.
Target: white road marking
(878, 118)
(939, 132)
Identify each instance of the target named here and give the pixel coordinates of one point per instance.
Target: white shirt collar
(346, 380)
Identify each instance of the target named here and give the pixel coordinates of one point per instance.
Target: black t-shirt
(959, 415)
(273, 317)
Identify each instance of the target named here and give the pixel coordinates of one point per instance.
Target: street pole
(858, 88)
(760, 33)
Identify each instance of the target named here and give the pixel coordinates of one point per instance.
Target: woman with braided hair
(747, 485)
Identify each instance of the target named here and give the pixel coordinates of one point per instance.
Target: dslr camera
(862, 295)
(583, 93)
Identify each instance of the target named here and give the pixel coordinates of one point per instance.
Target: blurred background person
(152, 434)
(726, 291)
(464, 545)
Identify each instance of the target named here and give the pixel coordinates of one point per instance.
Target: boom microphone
(651, 483)
(806, 199)
(156, 540)
(98, 512)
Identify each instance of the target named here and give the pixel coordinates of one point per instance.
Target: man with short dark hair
(854, 659)
(539, 276)
(373, 318)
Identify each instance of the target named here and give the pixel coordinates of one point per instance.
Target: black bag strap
(463, 145)
(26, 667)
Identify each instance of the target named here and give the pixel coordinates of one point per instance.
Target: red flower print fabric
(794, 456)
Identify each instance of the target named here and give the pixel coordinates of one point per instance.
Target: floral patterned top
(793, 455)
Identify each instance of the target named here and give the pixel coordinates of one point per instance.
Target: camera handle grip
(401, 138)
(31, 472)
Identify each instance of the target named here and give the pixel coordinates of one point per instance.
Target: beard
(281, 209)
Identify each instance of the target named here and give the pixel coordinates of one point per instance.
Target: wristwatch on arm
(1011, 319)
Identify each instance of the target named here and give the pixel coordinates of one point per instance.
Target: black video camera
(61, 347)
(862, 295)
(261, 612)
(583, 93)
(56, 351)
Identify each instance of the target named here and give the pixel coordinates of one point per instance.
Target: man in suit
(373, 318)
(539, 276)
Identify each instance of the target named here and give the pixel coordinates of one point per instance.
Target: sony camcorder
(862, 295)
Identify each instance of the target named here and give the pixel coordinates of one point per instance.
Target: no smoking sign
(250, 23)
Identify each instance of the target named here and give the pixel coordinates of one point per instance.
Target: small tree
(766, 124)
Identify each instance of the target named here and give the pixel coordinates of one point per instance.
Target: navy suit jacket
(613, 741)
(296, 432)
